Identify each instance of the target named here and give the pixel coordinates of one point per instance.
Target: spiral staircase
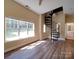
(52, 24)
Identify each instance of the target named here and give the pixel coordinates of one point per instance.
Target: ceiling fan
(40, 2)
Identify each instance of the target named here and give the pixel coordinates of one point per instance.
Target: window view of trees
(16, 29)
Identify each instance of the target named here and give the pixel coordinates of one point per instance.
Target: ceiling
(48, 5)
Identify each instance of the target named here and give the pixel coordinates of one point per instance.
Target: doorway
(69, 30)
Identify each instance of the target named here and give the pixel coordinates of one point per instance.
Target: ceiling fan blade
(40, 2)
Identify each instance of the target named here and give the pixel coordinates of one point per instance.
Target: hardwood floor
(69, 47)
(46, 49)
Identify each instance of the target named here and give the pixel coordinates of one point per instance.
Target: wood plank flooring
(46, 49)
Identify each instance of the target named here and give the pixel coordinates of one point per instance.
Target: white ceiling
(48, 5)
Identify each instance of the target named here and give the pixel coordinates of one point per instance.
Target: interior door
(70, 30)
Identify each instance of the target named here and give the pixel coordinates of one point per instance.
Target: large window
(16, 29)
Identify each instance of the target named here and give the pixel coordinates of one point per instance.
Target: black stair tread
(47, 22)
(48, 17)
(55, 39)
(55, 36)
(55, 33)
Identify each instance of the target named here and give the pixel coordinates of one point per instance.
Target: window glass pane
(23, 29)
(11, 29)
(30, 29)
(22, 26)
(30, 26)
(69, 28)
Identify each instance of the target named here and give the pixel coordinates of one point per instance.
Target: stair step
(47, 21)
(55, 33)
(48, 25)
(55, 39)
(48, 17)
(56, 36)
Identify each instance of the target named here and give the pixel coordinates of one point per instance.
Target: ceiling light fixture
(26, 6)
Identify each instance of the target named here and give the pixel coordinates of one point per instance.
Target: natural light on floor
(31, 46)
